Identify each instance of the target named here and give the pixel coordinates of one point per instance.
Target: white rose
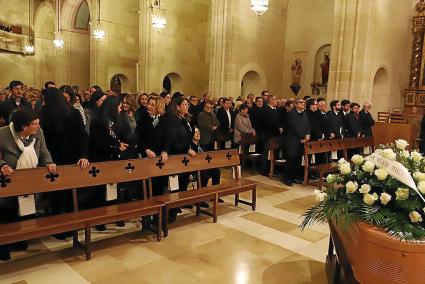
(389, 153)
(385, 198)
(320, 196)
(381, 174)
(351, 186)
(330, 178)
(370, 199)
(401, 144)
(368, 167)
(418, 176)
(342, 161)
(416, 156)
(402, 194)
(357, 159)
(405, 154)
(365, 188)
(415, 217)
(421, 187)
(345, 168)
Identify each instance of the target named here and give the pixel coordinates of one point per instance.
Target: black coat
(68, 144)
(366, 121)
(315, 129)
(180, 134)
(256, 116)
(224, 120)
(346, 130)
(336, 123)
(355, 126)
(271, 122)
(298, 126)
(105, 140)
(152, 137)
(325, 124)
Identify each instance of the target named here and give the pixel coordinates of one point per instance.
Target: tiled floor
(265, 246)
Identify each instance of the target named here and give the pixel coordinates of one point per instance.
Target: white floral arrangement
(384, 189)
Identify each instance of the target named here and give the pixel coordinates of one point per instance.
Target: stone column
(351, 48)
(224, 77)
(149, 79)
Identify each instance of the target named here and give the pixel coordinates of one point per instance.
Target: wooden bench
(202, 161)
(275, 144)
(71, 177)
(327, 146)
(246, 141)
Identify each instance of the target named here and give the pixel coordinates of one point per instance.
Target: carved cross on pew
(160, 164)
(208, 158)
(130, 168)
(94, 171)
(4, 180)
(228, 156)
(185, 161)
(52, 176)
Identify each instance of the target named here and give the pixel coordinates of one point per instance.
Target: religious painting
(420, 99)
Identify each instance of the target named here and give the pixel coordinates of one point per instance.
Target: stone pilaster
(223, 78)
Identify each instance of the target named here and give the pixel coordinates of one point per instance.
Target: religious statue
(325, 69)
(296, 71)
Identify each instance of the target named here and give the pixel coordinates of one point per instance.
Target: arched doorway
(172, 82)
(380, 91)
(80, 46)
(251, 83)
(118, 83)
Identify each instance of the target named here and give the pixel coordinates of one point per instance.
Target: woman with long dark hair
(109, 132)
(180, 132)
(67, 141)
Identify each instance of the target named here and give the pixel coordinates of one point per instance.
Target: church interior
(364, 51)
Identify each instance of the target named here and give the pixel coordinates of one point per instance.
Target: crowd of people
(62, 126)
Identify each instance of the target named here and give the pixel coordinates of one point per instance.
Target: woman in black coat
(180, 132)
(109, 134)
(66, 140)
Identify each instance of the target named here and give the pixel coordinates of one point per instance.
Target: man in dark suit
(297, 133)
(345, 114)
(335, 119)
(256, 117)
(16, 101)
(272, 127)
(226, 118)
(366, 119)
(355, 126)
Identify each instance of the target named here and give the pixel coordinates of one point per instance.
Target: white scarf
(28, 158)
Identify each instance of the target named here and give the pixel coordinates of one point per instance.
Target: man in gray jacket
(23, 133)
(208, 124)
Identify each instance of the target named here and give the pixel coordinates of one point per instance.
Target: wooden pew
(326, 146)
(203, 161)
(71, 177)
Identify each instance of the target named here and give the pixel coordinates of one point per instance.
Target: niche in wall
(251, 83)
(119, 83)
(380, 91)
(172, 82)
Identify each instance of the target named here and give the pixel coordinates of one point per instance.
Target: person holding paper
(214, 174)
(22, 146)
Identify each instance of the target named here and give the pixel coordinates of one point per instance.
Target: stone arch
(119, 83)
(176, 82)
(380, 91)
(70, 10)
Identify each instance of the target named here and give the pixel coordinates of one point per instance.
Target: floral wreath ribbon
(394, 169)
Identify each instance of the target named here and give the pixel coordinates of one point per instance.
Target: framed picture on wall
(410, 99)
(420, 99)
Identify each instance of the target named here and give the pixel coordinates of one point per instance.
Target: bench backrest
(324, 146)
(69, 177)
